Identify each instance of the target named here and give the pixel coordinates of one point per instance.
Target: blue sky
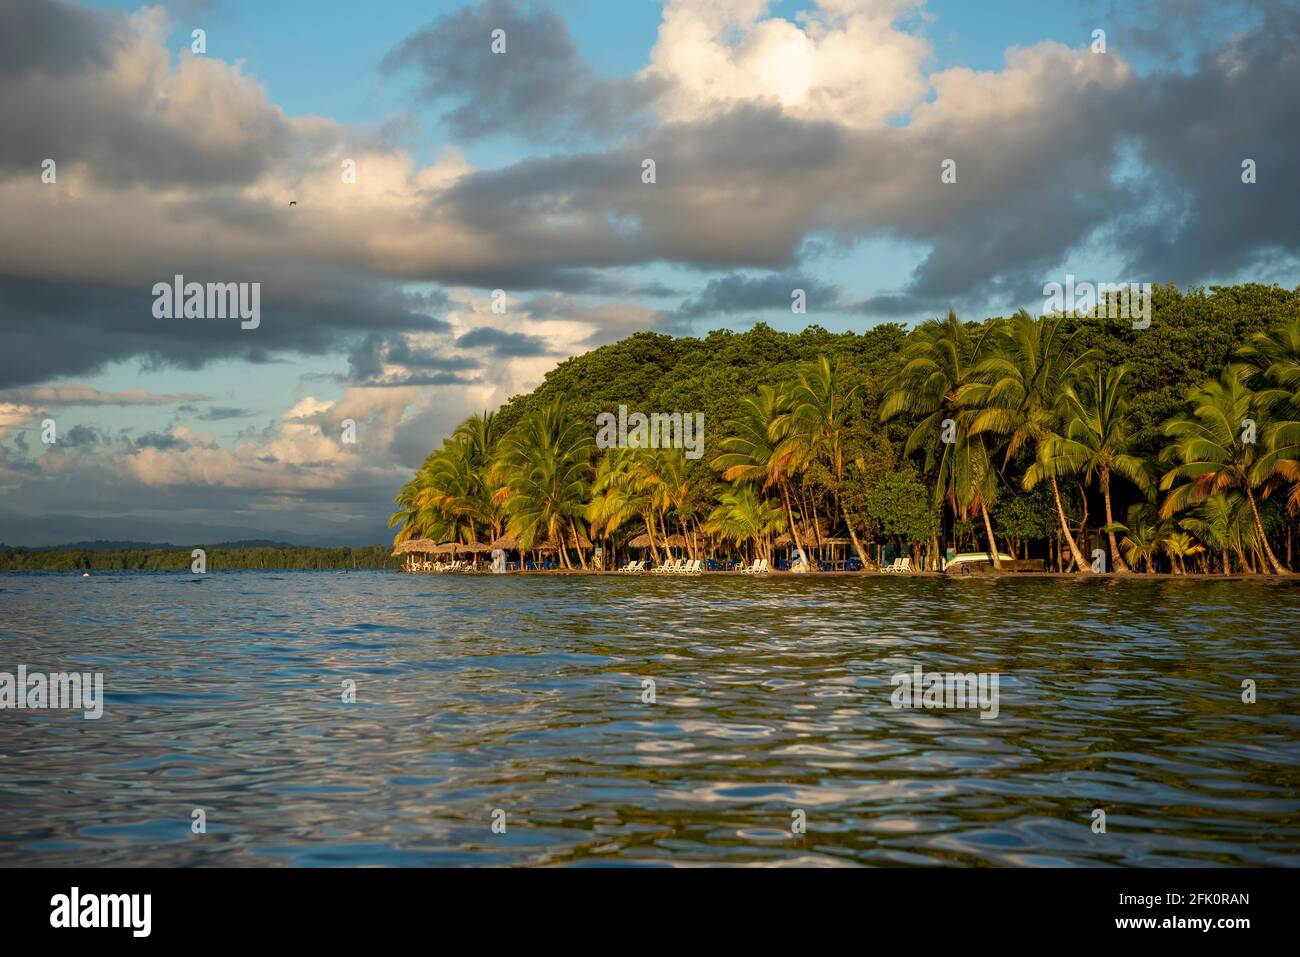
(798, 143)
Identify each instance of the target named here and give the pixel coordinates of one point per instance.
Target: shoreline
(814, 576)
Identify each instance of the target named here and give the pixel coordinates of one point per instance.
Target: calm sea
(520, 701)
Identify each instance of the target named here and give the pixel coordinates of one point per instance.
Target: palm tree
(543, 475)
(936, 366)
(1271, 363)
(1212, 454)
(1179, 546)
(744, 518)
(748, 451)
(1017, 390)
(1094, 440)
(813, 432)
(617, 496)
(1272, 371)
(1223, 522)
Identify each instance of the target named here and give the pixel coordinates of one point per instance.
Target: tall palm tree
(1094, 439)
(814, 431)
(1213, 456)
(618, 496)
(749, 450)
(1017, 390)
(1272, 371)
(937, 363)
(543, 475)
(1271, 361)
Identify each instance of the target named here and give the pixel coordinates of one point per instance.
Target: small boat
(965, 563)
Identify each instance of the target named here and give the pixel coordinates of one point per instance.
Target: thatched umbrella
(641, 541)
(506, 542)
(676, 541)
(475, 548)
(420, 546)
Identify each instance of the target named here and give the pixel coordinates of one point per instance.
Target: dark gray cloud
(540, 88)
(80, 436)
(1239, 102)
(160, 440)
(506, 344)
(65, 111)
(221, 413)
(53, 329)
(737, 293)
(366, 362)
(43, 37)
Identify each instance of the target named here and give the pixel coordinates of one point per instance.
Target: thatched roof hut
(507, 542)
(418, 546)
(807, 533)
(641, 541)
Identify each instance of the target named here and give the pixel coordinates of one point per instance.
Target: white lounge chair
(695, 567)
(906, 567)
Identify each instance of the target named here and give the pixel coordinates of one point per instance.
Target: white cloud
(845, 62)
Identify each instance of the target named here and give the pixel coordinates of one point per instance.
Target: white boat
(973, 559)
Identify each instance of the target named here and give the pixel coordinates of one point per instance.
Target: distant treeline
(179, 559)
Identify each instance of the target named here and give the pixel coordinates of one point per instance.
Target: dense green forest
(283, 557)
(1173, 447)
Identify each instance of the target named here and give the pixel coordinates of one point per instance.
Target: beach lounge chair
(906, 566)
(895, 567)
(693, 567)
(760, 567)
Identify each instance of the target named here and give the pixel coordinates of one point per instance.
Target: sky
(380, 172)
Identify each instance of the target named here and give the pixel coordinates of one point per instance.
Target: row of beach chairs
(687, 566)
(900, 566)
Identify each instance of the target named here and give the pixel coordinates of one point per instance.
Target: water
(773, 695)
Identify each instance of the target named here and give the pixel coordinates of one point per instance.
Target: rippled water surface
(524, 694)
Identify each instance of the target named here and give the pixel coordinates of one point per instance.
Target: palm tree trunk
(988, 530)
(1116, 558)
(648, 520)
(857, 545)
(577, 543)
(789, 514)
(1083, 568)
(1263, 539)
